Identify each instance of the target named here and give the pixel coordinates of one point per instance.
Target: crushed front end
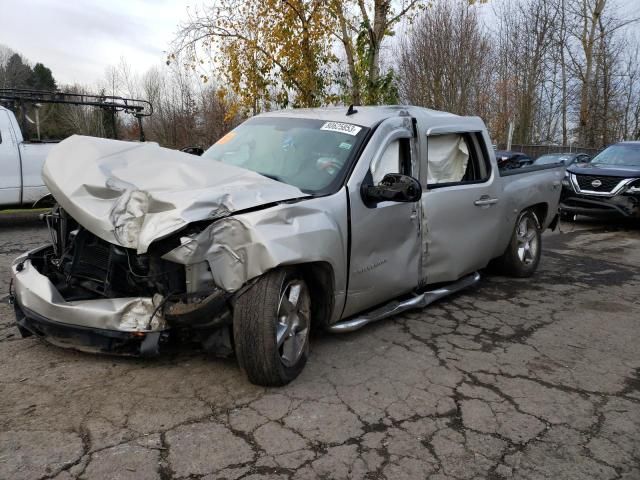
(88, 294)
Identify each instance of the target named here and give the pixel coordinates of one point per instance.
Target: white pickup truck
(21, 183)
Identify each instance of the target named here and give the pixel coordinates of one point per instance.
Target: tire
(523, 253)
(271, 324)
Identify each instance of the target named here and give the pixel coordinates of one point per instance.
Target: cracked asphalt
(522, 379)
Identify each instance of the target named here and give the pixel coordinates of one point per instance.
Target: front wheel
(271, 324)
(523, 253)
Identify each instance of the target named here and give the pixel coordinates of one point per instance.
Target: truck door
(460, 205)
(10, 176)
(385, 238)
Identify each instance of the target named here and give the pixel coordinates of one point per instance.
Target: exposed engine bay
(83, 266)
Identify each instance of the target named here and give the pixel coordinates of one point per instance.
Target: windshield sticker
(341, 128)
(227, 138)
(345, 146)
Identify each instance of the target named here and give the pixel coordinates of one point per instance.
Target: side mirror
(394, 187)
(193, 150)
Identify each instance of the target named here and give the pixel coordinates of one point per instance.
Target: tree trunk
(375, 34)
(347, 43)
(590, 23)
(563, 63)
(606, 88)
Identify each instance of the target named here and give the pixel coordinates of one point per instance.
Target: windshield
(312, 155)
(620, 155)
(553, 158)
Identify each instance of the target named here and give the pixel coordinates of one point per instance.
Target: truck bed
(534, 185)
(531, 168)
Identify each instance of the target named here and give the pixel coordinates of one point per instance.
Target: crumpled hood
(131, 194)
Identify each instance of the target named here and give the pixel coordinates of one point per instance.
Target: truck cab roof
(370, 116)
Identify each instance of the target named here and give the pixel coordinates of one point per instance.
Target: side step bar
(394, 307)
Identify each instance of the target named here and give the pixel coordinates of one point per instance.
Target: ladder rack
(15, 98)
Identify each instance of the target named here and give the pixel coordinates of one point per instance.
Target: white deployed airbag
(448, 156)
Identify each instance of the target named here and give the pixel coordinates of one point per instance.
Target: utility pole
(37, 108)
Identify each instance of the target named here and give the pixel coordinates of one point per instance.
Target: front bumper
(86, 339)
(132, 326)
(621, 205)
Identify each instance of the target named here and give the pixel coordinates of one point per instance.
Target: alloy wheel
(292, 329)
(527, 238)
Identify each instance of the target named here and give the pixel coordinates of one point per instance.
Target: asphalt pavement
(522, 379)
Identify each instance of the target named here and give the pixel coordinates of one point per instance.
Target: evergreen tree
(42, 78)
(17, 73)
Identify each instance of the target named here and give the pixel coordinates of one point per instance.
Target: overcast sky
(79, 39)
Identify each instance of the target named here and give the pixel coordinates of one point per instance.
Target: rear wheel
(523, 253)
(271, 324)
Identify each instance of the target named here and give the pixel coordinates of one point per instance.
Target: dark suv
(608, 186)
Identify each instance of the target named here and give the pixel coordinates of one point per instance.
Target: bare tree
(362, 28)
(445, 60)
(83, 120)
(537, 75)
(5, 54)
(588, 13)
(524, 43)
(563, 71)
(186, 112)
(631, 94)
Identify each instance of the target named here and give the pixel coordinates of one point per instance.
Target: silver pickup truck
(328, 218)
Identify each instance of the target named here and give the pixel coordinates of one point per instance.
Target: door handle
(485, 201)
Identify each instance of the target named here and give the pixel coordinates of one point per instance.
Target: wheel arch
(507, 263)
(540, 210)
(320, 278)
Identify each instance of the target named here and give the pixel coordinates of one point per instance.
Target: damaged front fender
(242, 247)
